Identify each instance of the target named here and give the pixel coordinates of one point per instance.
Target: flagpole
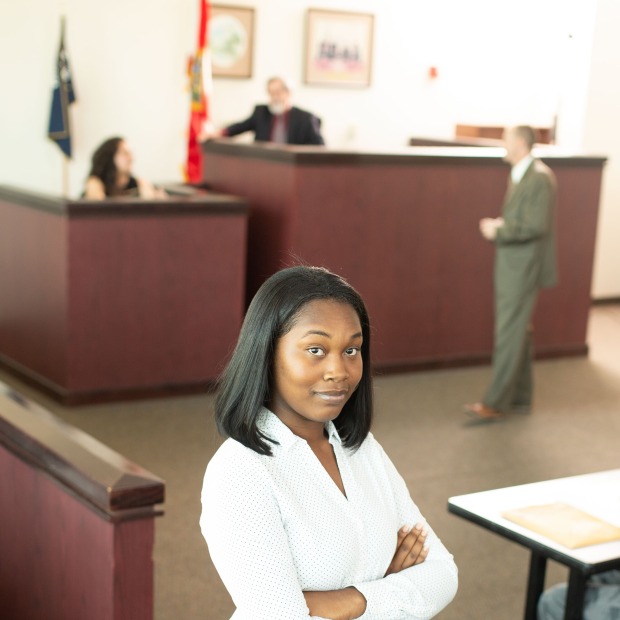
(65, 160)
(65, 176)
(63, 96)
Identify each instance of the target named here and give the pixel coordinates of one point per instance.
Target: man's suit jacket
(525, 245)
(303, 127)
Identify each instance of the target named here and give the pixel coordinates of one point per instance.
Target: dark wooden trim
(161, 391)
(219, 204)
(576, 350)
(75, 398)
(544, 135)
(477, 142)
(102, 479)
(445, 155)
(32, 378)
(198, 202)
(431, 364)
(606, 301)
(34, 200)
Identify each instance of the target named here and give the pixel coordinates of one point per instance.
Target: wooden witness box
(119, 298)
(402, 227)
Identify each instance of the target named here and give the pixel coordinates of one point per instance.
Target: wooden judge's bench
(402, 227)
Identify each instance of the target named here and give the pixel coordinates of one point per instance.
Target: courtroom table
(402, 227)
(595, 494)
(105, 300)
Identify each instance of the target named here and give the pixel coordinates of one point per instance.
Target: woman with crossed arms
(304, 514)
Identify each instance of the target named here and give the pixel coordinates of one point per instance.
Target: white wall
(127, 58)
(497, 64)
(602, 134)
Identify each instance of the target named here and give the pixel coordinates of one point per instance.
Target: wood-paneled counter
(77, 521)
(402, 227)
(119, 298)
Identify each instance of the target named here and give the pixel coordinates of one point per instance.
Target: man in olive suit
(525, 260)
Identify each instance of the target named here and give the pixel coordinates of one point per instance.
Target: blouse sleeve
(421, 591)
(242, 525)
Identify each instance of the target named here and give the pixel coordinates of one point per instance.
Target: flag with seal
(62, 97)
(199, 71)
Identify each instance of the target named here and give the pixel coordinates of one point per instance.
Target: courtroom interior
(163, 160)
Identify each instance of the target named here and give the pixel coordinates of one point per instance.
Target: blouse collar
(271, 425)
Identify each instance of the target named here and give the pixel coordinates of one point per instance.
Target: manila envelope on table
(564, 524)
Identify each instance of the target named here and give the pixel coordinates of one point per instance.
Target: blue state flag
(63, 96)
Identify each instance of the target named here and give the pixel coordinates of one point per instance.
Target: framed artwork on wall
(231, 40)
(338, 48)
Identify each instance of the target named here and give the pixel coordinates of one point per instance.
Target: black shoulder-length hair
(103, 166)
(244, 387)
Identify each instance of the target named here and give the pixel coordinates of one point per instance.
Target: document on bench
(564, 524)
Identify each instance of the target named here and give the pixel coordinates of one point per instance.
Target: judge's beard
(277, 108)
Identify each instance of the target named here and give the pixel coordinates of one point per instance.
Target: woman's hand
(410, 548)
(350, 603)
(344, 604)
(149, 191)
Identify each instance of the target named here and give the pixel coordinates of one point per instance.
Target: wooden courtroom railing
(76, 522)
(112, 299)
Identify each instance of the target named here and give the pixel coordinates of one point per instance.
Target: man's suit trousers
(512, 383)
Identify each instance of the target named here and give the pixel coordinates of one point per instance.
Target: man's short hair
(528, 134)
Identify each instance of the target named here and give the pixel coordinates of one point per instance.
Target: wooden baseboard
(606, 301)
(71, 398)
(542, 353)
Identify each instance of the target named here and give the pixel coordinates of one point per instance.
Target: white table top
(597, 494)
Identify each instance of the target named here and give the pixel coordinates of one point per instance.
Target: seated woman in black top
(110, 174)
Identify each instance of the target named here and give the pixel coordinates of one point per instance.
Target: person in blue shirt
(602, 600)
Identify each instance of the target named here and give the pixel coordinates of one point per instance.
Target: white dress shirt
(520, 168)
(278, 525)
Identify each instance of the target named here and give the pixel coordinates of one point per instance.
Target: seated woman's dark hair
(103, 166)
(244, 387)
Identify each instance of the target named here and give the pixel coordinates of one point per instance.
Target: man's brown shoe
(481, 412)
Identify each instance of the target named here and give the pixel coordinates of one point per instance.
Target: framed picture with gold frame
(231, 40)
(338, 48)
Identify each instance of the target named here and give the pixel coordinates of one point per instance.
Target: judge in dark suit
(279, 121)
(525, 261)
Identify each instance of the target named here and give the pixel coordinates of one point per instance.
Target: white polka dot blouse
(278, 525)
